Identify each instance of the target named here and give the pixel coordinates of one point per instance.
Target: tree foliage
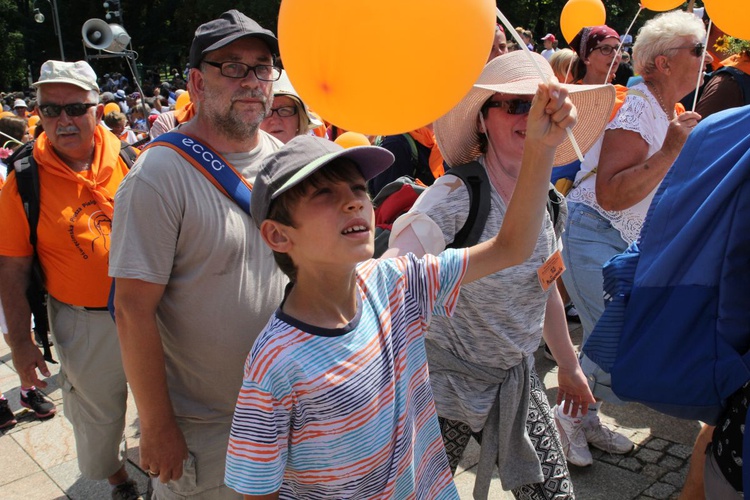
(161, 30)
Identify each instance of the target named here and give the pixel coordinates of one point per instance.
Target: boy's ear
(275, 235)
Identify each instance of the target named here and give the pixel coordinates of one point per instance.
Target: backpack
(418, 171)
(675, 332)
(397, 197)
(27, 179)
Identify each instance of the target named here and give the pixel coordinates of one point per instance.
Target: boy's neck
(324, 300)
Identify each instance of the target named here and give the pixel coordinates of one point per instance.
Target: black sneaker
(126, 491)
(571, 313)
(7, 419)
(36, 402)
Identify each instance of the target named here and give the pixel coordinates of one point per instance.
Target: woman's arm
(625, 174)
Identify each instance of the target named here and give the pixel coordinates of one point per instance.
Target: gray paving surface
(38, 459)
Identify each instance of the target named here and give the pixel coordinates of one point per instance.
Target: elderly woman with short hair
(613, 190)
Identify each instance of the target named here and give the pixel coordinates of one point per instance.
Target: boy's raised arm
(548, 118)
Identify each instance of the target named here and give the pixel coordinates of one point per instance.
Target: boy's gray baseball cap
(231, 26)
(299, 159)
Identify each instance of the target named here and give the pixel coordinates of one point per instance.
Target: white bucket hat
(307, 121)
(457, 131)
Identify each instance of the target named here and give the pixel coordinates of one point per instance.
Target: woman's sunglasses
(512, 106)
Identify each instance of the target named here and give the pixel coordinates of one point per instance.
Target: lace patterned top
(639, 113)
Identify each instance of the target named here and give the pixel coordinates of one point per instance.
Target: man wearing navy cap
(195, 283)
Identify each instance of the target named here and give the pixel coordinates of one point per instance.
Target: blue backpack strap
(211, 164)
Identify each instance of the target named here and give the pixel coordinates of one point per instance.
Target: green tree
(13, 74)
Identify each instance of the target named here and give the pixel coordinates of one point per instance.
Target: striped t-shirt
(348, 413)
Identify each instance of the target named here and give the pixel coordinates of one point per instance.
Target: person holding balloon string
(481, 360)
(618, 178)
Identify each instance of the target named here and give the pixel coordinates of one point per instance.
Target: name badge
(550, 270)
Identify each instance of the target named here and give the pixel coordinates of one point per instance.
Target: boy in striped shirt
(335, 400)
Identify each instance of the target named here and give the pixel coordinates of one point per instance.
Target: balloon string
(622, 39)
(11, 139)
(518, 40)
(703, 65)
(570, 66)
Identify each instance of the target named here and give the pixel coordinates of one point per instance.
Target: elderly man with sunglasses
(79, 169)
(195, 282)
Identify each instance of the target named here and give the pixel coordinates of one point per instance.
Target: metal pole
(56, 23)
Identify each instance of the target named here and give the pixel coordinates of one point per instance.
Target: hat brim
(273, 43)
(69, 81)
(312, 122)
(370, 161)
(457, 131)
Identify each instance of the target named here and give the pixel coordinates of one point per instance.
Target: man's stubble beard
(230, 123)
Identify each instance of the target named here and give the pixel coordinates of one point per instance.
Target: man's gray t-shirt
(173, 227)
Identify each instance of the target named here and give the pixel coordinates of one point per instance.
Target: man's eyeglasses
(512, 106)
(605, 49)
(231, 69)
(283, 111)
(696, 50)
(75, 109)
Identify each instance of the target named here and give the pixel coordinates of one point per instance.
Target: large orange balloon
(578, 14)
(33, 120)
(661, 5)
(731, 16)
(384, 67)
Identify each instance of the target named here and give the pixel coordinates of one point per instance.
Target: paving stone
(15, 463)
(653, 471)
(660, 490)
(37, 486)
(672, 463)
(675, 478)
(631, 464)
(657, 444)
(648, 456)
(681, 451)
(610, 458)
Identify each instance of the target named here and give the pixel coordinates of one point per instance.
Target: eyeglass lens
(74, 109)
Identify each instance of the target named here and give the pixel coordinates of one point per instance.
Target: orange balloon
(731, 16)
(384, 67)
(578, 14)
(351, 139)
(662, 5)
(182, 100)
(111, 107)
(33, 119)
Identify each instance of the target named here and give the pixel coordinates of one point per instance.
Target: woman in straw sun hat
(481, 360)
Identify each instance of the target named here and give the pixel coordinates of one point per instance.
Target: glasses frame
(606, 50)
(512, 106)
(696, 50)
(294, 112)
(275, 72)
(51, 110)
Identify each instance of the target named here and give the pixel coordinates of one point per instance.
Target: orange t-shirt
(74, 230)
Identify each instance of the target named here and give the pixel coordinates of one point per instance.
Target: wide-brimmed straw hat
(457, 131)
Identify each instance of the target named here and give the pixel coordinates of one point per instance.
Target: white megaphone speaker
(97, 34)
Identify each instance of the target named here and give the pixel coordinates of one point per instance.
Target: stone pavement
(38, 459)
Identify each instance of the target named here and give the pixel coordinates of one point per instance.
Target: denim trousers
(589, 241)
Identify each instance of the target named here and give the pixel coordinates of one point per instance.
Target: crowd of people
(207, 244)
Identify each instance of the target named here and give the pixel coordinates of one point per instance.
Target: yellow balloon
(384, 67)
(662, 5)
(182, 100)
(351, 139)
(731, 16)
(578, 14)
(111, 107)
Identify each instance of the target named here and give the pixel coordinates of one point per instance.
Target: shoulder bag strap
(211, 164)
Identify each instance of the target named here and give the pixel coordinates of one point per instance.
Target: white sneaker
(573, 440)
(599, 435)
